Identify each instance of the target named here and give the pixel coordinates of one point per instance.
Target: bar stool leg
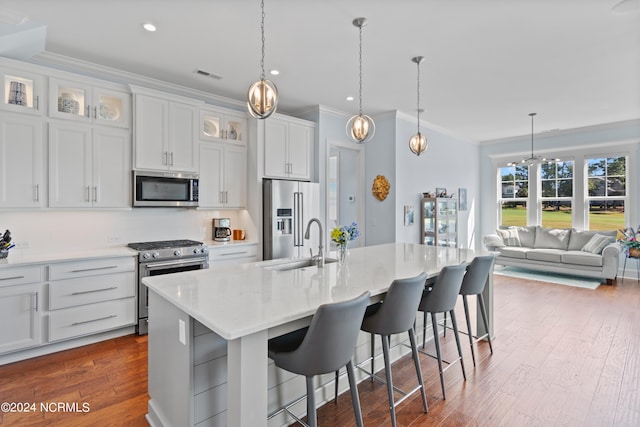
(373, 347)
(387, 370)
(436, 339)
(457, 336)
(311, 403)
(470, 334)
(353, 385)
(484, 319)
(416, 361)
(335, 399)
(424, 329)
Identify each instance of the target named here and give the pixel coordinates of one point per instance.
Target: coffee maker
(221, 229)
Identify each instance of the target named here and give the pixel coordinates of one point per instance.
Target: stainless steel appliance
(164, 257)
(221, 229)
(165, 189)
(287, 208)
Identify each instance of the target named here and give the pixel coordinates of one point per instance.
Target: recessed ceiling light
(349, 98)
(274, 72)
(149, 27)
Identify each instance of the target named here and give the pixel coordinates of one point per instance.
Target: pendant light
(418, 143)
(360, 127)
(262, 97)
(533, 159)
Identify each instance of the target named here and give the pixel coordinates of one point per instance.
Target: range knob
(196, 250)
(177, 252)
(146, 255)
(156, 254)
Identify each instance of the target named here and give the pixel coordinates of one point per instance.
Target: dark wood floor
(562, 356)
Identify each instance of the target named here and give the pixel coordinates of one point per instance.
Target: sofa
(559, 250)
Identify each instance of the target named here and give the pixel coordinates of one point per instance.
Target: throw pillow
(510, 237)
(597, 243)
(552, 238)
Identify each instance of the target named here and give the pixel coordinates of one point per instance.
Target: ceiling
(488, 63)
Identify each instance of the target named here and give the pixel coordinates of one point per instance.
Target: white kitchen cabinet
(223, 175)
(87, 297)
(232, 254)
(21, 299)
(21, 161)
(83, 101)
(22, 91)
(288, 147)
(164, 134)
(223, 125)
(89, 166)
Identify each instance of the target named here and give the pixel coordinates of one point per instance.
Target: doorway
(345, 188)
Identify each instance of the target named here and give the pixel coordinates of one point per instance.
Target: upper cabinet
(288, 147)
(86, 102)
(223, 126)
(164, 134)
(21, 162)
(22, 91)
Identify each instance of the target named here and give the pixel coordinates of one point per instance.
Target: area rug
(560, 279)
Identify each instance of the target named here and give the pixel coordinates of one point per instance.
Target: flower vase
(634, 252)
(342, 254)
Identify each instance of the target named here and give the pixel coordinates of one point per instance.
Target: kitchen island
(230, 312)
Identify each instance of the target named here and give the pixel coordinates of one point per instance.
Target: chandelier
(533, 159)
(418, 143)
(360, 127)
(262, 97)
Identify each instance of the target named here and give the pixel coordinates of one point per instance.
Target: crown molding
(432, 126)
(90, 69)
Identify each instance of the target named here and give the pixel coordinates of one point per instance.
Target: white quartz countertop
(238, 300)
(19, 257)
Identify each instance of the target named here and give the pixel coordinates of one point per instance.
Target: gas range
(165, 257)
(168, 249)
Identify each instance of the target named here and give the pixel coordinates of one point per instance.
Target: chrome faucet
(320, 256)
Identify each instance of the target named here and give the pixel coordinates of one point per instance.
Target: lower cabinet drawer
(92, 318)
(89, 290)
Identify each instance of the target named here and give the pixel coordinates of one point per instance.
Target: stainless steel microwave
(165, 189)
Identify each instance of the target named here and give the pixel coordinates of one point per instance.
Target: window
(514, 184)
(606, 192)
(556, 179)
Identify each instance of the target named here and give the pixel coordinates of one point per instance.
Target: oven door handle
(159, 265)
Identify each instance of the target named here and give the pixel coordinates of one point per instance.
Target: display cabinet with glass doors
(439, 221)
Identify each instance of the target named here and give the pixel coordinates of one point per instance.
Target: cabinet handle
(165, 158)
(220, 199)
(37, 102)
(233, 253)
(82, 270)
(88, 112)
(95, 112)
(171, 164)
(88, 193)
(37, 198)
(94, 320)
(226, 197)
(35, 294)
(12, 278)
(95, 290)
(95, 194)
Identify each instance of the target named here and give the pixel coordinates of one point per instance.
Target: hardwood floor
(562, 356)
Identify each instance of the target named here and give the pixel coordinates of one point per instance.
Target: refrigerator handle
(301, 217)
(296, 215)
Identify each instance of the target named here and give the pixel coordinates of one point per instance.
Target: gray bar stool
(394, 315)
(441, 297)
(325, 346)
(473, 284)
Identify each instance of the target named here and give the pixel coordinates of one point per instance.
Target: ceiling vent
(208, 74)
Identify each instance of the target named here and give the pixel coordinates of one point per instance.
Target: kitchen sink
(295, 264)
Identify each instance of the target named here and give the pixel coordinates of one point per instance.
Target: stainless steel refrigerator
(287, 208)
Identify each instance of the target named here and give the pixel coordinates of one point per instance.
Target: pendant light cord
(532, 114)
(262, 75)
(418, 64)
(360, 62)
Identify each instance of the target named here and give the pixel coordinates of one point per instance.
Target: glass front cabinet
(439, 221)
(22, 91)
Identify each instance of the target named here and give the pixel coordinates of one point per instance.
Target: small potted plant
(630, 240)
(341, 236)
